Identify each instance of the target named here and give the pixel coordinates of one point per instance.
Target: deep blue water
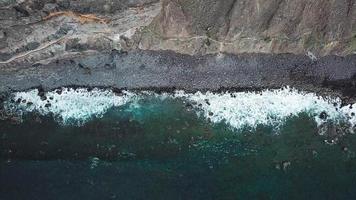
(163, 150)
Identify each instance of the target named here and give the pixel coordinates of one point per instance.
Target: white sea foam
(71, 105)
(269, 107)
(236, 109)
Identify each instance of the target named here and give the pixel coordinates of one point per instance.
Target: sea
(95, 143)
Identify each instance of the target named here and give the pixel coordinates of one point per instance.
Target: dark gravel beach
(165, 70)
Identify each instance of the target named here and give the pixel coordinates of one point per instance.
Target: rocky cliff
(270, 26)
(40, 31)
(44, 30)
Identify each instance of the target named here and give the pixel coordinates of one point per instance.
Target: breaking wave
(236, 109)
(269, 107)
(69, 106)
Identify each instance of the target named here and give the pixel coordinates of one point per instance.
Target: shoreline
(166, 71)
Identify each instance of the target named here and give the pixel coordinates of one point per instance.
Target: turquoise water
(160, 148)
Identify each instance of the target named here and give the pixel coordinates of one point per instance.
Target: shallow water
(271, 145)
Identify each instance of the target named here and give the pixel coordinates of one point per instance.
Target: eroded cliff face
(41, 31)
(271, 26)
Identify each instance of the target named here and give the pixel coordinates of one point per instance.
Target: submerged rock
(58, 91)
(323, 115)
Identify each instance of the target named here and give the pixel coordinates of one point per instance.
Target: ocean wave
(269, 107)
(236, 109)
(69, 106)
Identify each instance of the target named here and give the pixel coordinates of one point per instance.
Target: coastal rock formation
(44, 30)
(270, 26)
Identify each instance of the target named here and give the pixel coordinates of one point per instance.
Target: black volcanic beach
(166, 71)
